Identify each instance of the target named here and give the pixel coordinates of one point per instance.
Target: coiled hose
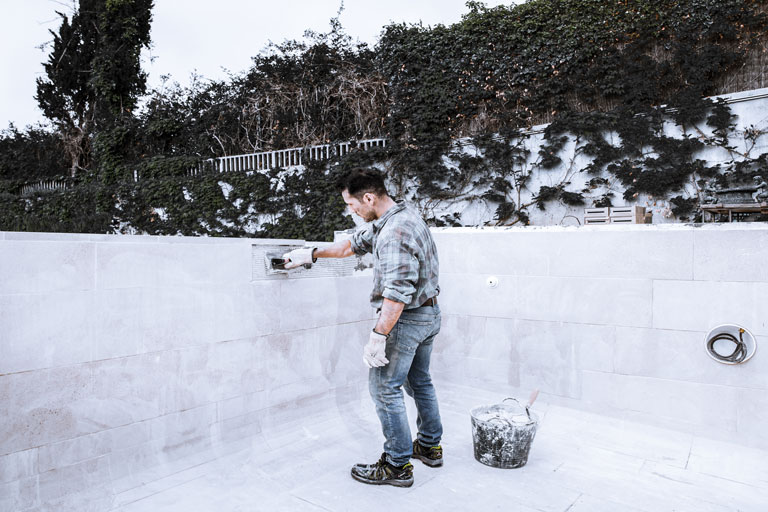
(739, 352)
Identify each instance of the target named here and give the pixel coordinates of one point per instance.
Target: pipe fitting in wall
(730, 344)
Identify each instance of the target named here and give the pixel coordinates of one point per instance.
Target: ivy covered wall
(549, 175)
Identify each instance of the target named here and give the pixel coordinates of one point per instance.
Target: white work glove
(298, 257)
(373, 353)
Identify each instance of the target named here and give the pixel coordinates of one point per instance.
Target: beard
(368, 216)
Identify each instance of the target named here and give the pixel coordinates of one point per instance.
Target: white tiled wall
(120, 355)
(123, 354)
(611, 319)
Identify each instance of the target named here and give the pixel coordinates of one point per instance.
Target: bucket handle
(505, 420)
(521, 405)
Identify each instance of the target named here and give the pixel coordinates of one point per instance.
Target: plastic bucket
(502, 434)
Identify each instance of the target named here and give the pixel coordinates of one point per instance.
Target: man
(405, 289)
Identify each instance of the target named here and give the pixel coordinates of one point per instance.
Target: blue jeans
(409, 349)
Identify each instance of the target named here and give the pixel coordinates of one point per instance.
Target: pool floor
(579, 462)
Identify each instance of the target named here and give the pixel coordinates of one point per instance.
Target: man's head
(364, 192)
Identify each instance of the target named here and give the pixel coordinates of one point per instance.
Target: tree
(32, 153)
(93, 73)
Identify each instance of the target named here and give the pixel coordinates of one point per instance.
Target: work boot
(432, 456)
(384, 473)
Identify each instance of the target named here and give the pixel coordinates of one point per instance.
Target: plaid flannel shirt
(405, 266)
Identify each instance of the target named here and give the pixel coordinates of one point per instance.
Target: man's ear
(369, 198)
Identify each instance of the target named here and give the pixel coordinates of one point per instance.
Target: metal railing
(42, 186)
(283, 157)
(249, 162)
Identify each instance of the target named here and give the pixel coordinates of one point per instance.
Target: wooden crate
(591, 213)
(627, 215)
(596, 216)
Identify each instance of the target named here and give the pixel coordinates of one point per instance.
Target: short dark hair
(359, 181)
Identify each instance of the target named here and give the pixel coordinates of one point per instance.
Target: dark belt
(432, 301)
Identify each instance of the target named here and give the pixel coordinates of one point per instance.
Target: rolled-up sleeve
(399, 270)
(362, 241)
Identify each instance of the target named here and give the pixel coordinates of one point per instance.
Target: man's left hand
(374, 352)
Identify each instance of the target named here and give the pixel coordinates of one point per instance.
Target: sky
(198, 36)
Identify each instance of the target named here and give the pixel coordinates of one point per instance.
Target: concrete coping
(736, 226)
(143, 239)
(480, 230)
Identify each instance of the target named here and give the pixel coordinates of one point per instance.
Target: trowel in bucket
(532, 399)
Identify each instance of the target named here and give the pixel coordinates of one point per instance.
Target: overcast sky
(206, 36)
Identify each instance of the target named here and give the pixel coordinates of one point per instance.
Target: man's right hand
(298, 257)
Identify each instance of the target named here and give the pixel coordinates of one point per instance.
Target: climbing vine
(621, 85)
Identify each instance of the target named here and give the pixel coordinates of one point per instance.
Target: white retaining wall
(126, 359)
(611, 319)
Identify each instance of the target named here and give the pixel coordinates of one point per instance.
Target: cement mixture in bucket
(502, 434)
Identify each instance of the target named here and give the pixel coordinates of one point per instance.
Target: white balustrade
(252, 161)
(43, 185)
(285, 157)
